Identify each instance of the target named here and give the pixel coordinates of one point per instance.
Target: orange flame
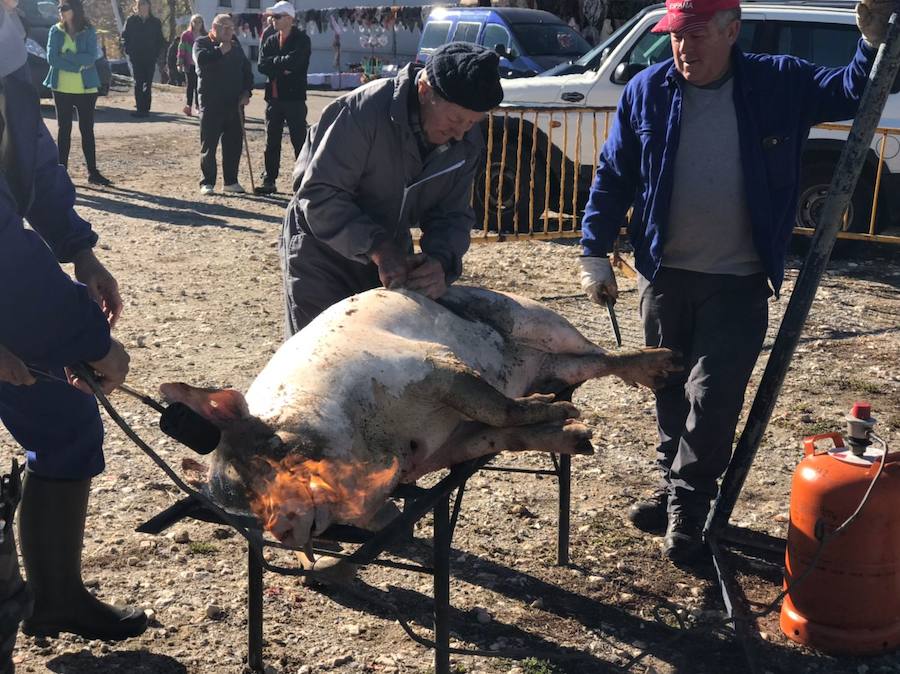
(352, 491)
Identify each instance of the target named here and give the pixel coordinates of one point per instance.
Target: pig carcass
(389, 385)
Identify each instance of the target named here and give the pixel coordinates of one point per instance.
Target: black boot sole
(51, 630)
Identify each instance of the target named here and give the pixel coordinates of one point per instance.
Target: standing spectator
(224, 83)
(176, 77)
(284, 59)
(73, 79)
(706, 148)
(185, 61)
(144, 41)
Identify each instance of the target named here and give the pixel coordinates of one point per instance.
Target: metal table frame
(418, 502)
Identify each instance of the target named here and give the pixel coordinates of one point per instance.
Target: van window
(654, 48)
(435, 34)
(495, 34)
(466, 32)
(542, 39)
(825, 44)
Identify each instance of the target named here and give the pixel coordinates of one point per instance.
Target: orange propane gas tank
(850, 602)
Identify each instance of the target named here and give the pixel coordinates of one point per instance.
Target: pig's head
(281, 477)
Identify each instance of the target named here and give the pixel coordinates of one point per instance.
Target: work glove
(872, 18)
(597, 279)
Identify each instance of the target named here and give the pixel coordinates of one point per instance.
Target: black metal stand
(254, 612)
(442, 536)
(418, 502)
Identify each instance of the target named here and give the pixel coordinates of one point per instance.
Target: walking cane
(247, 149)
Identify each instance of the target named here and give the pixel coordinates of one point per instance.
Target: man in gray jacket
(224, 84)
(393, 154)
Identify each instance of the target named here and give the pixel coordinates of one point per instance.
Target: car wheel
(815, 179)
(501, 195)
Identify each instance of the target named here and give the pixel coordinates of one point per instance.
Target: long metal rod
(735, 604)
(442, 585)
(840, 192)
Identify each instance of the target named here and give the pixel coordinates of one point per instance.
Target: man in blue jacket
(48, 321)
(706, 148)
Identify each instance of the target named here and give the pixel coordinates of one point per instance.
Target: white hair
(725, 17)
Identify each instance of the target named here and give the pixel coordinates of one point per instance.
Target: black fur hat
(466, 74)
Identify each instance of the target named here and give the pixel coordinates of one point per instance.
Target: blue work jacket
(46, 318)
(82, 61)
(777, 100)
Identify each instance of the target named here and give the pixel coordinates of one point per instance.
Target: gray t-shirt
(709, 227)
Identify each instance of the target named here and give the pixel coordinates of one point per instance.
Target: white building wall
(400, 49)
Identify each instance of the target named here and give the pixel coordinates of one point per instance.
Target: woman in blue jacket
(72, 54)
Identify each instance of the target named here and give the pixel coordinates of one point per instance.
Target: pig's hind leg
(472, 440)
(649, 367)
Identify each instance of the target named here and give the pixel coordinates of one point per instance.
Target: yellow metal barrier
(543, 196)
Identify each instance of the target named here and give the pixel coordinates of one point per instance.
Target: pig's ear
(220, 406)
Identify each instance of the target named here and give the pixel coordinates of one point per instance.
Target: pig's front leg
(472, 440)
(648, 367)
(456, 385)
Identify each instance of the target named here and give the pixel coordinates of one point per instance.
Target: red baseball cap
(682, 15)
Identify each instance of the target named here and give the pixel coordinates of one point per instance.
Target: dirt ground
(201, 284)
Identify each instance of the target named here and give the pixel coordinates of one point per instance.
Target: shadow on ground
(124, 662)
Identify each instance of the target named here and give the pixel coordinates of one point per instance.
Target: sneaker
(234, 188)
(267, 187)
(207, 189)
(650, 515)
(97, 178)
(683, 543)
(187, 110)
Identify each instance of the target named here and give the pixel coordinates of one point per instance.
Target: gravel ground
(201, 285)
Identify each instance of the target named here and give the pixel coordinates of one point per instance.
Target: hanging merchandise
(362, 19)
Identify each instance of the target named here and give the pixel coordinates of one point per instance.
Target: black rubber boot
(51, 535)
(651, 515)
(15, 601)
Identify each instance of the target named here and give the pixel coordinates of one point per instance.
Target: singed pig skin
(392, 376)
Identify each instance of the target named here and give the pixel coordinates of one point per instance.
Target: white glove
(597, 279)
(872, 18)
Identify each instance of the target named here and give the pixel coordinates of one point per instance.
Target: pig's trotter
(648, 367)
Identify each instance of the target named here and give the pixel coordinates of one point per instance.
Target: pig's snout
(292, 528)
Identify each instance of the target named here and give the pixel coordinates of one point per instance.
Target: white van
(826, 35)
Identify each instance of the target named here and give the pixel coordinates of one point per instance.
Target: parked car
(37, 17)
(529, 41)
(826, 35)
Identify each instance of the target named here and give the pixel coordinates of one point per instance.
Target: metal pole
(254, 612)
(442, 585)
(565, 507)
(840, 192)
(247, 149)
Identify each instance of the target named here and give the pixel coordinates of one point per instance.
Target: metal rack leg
(442, 586)
(254, 612)
(565, 507)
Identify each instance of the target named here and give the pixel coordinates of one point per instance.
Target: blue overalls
(46, 319)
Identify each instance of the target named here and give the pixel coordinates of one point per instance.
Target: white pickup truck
(825, 34)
